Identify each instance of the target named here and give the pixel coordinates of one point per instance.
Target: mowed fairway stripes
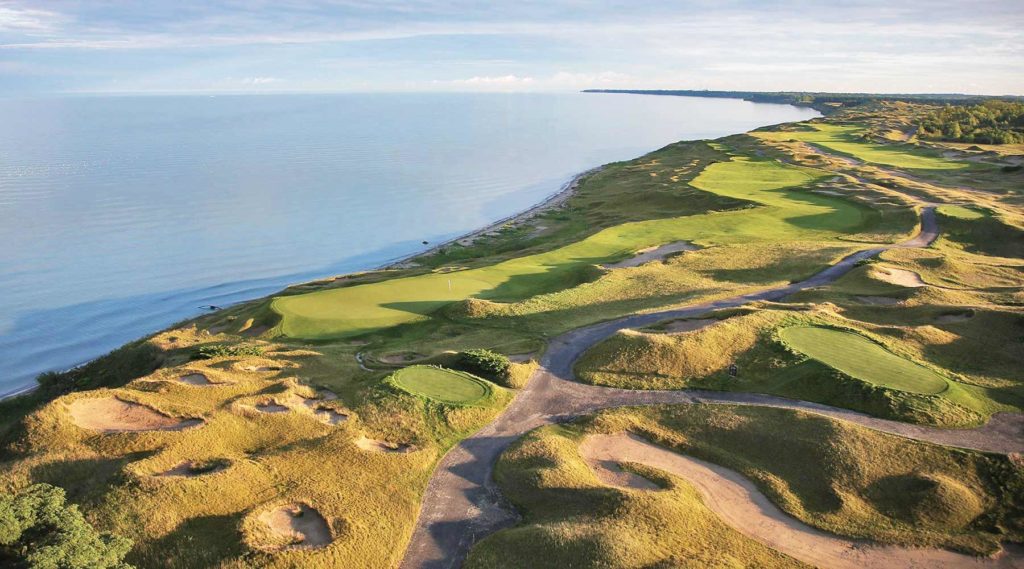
(863, 359)
(786, 215)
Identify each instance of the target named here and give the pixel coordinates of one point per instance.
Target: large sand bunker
(740, 504)
(195, 378)
(374, 445)
(296, 526)
(653, 254)
(112, 415)
(899, 277)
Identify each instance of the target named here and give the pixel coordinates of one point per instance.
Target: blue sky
(526, 45)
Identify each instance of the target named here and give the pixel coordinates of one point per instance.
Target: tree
(39, 530)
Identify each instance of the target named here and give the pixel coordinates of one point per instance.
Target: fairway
(441, 384)
(863, 359)
(785, 215)
(847, 140)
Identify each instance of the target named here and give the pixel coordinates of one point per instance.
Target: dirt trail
(739, 503)
(462, 504)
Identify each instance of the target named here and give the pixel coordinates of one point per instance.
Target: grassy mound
(833, 475)
(441, 384)
(926, 500)
(863, 359)
(573, 520)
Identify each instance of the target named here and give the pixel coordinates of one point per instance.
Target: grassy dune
(836, 476)
(787, 215)
(284, 454)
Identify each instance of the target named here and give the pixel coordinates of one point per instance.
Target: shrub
(39, 530)
(211, 351)
(485, 363)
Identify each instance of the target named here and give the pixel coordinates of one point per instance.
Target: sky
(211, 46)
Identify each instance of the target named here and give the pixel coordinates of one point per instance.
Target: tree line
(991, 122)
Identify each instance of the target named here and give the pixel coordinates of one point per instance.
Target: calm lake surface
(122, 215)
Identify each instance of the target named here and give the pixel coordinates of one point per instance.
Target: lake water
(122, 215)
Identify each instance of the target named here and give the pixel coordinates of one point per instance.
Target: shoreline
(565, 191)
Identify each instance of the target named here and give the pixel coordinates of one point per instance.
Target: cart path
(461, 503)
(739, 503)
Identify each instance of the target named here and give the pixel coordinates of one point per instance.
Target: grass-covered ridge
(836, 476)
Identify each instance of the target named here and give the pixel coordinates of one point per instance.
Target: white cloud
(28, 20)
(499, 80)
(255, 81)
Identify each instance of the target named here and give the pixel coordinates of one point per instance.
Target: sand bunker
(189, 469)
(609, 471)
(195, 379)
(271, 407)
(653, 254)
(297, 526)
(899, 277)
(374, 445)
(681, 326)
(324, 413)
(111, 415)
(400, 357)
(740, 504)
(263, 368)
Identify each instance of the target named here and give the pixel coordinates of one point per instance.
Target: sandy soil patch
(112, 415)
(263, 369)
(877, 300)
(653, 254)
(899, 277)
(521, 358)
(195, 378)
(740, 504)
(298, 525)
(682, 326)
(829, 192)
(373, 445)
(189, 469)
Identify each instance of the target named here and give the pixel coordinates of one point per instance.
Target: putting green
(785, 215)
(960, 212)
(847, 140)
(441, 384)
(863, 359)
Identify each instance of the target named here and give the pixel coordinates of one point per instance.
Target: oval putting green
(960, 212)
(441, 384)
(863, 359)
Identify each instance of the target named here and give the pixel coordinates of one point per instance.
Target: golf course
(798, 346)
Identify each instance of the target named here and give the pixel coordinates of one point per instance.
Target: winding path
(461, 503)
(742, 506)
